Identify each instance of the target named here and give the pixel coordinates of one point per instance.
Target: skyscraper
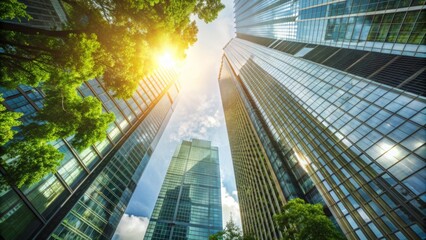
(88, 194)
(335, 92)
(258, 189)
(189, 203)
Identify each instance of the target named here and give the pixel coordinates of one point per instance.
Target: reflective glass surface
(352, 141)
(387, 26)
(189, 203)
(138, 120)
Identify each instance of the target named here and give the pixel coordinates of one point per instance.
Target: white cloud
(197, 121)
(199, 113)
(230, 207)
(131, 228)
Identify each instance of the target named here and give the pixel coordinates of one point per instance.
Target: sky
(198, 114)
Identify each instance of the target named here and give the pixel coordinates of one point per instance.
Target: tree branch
(16, 56)
(25, 47)
(8, 26)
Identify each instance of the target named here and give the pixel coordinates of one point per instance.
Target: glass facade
(97, 182)
(358, 144)
(386, 26)
(189, 204)
(260, 197)
(336, 93)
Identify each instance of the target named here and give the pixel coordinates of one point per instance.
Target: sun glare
(166, 60)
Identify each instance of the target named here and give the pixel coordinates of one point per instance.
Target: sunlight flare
(166, 60)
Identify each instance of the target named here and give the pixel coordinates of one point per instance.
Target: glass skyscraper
(258, 188)
(335, 91)
(189, 204)
(88, 194)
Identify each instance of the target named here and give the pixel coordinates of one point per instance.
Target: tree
(231, 232)
(129, 34)
(304, 221)
(114, 39)
(123, 37)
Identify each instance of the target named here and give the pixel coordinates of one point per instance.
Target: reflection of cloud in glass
(131, 227)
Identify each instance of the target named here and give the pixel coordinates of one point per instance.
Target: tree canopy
(231, 232)
(303, 221)
(116, 40)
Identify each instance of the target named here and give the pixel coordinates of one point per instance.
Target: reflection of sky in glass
(353, 24)
(354, 130)
(190, 195)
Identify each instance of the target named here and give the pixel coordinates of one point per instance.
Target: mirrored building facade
(336, 93)
(189, 203)
(87, 196)
(259, 193)
(386, 26)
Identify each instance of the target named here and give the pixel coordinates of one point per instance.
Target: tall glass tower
(189, 204)
(88, 194)
(259, 194)
(335, 91)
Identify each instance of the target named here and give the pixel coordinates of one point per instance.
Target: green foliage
(208, 9)
(23, 63)
(7, 121)
(115, 39)
(65, 114)
(10, 9)
(231, 232)
(303, 221)
(140, 31)
(61, 66)
(30, 161)
(125, 71)
(35, 60)
(78, 59)
(217, 236)
(93, 124)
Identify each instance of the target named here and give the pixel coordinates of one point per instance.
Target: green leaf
(8, 120)
(299, 221)
(30, 161)
(10, 9)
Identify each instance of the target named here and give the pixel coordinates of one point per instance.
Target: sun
(166, 60)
